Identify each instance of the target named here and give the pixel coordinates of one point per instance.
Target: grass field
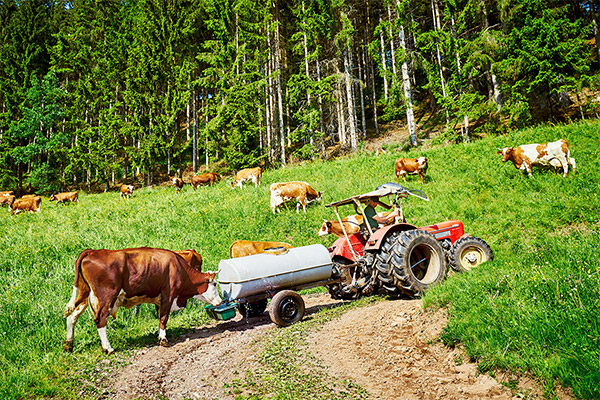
(534, 308)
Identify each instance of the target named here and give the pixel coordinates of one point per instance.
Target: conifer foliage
(99, 92)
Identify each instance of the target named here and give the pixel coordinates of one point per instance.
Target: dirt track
(389, 349)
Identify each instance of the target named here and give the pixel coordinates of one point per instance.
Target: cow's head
(210, 294)
(52, 197)
(506, 153)
(422, 161)
(325, 228)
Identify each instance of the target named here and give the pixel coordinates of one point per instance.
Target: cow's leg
(102, 310)
(422, 179)
(165, 307)
(71, 321)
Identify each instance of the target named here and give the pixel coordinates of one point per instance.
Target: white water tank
(246, 276)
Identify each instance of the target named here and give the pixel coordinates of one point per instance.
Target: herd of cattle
(108, 279)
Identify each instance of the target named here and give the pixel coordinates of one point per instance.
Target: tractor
(399, 259)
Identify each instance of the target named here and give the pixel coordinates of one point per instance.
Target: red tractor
(400, 259)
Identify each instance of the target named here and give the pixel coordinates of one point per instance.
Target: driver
(373, 219)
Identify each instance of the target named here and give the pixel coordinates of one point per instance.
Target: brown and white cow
(25, 204)
(411, 166)
(352, 224)
(282, 192)
(126, 191)
(9, 199)
(209, 177)
(177, 184)
(243, 248)
(553, 154)
(248, 174)
(64, 197)
(108, 279)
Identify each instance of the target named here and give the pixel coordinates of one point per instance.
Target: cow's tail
(70, 307)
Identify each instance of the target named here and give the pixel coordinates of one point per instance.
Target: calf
(126, 191)
(248, 174)
(286, 191)
(64, 197)
(178, 184)
(25, 204)
(411, 166)
(352, 224)
(209, 177)
(9, 199)
(553, 154)
(108, 279)
(243, 248)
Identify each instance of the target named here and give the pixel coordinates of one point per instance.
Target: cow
(243, 248)
(352, 224)
(9, 199)
(248, 174)
(282, 192)
(64, 197)
(25, 204)
(553, 154)
(209, 177)
(126, 191)
(178, 184)
(108, 279)
(411, 166)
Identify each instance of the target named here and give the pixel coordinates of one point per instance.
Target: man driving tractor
(371, 216)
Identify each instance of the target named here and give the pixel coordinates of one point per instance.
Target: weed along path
(390, 349)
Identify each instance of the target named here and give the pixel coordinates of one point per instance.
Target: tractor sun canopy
(387, 189)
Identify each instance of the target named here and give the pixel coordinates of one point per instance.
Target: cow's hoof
(164, 343)
(108, 352)
(68, 346)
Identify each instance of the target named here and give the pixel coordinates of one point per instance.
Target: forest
(95, 92)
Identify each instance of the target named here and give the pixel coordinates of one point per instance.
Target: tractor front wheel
(468, 253)
(417, 262)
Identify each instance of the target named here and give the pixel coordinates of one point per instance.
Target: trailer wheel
(417, 262)
(287, 307)
(468, 253)
(253, 309)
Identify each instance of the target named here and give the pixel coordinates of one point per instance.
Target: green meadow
(534, 309)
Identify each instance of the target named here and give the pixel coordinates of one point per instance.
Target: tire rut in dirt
(417, 262)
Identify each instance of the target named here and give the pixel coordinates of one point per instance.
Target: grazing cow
(209, 177)
(108, 279)
(64, 197)
(352, 224)
(411, 166)
(178, 184)
(553, 154)
(248, 174)
(126, 191)
(243, 248)
(192, 258)
(10, 199)
(25, 204)
(286, 191)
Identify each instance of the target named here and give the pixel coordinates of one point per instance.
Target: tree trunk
(350, 100)
(383, 63)
(410, 117)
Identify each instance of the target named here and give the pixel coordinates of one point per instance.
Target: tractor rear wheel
(468, 253)
(417, 262)
(382, 264)
(287, 307)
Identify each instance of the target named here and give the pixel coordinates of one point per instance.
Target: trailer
(246, 283)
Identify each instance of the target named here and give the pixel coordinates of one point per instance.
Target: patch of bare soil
(390, 349)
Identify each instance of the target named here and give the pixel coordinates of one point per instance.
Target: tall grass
(534, 308)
